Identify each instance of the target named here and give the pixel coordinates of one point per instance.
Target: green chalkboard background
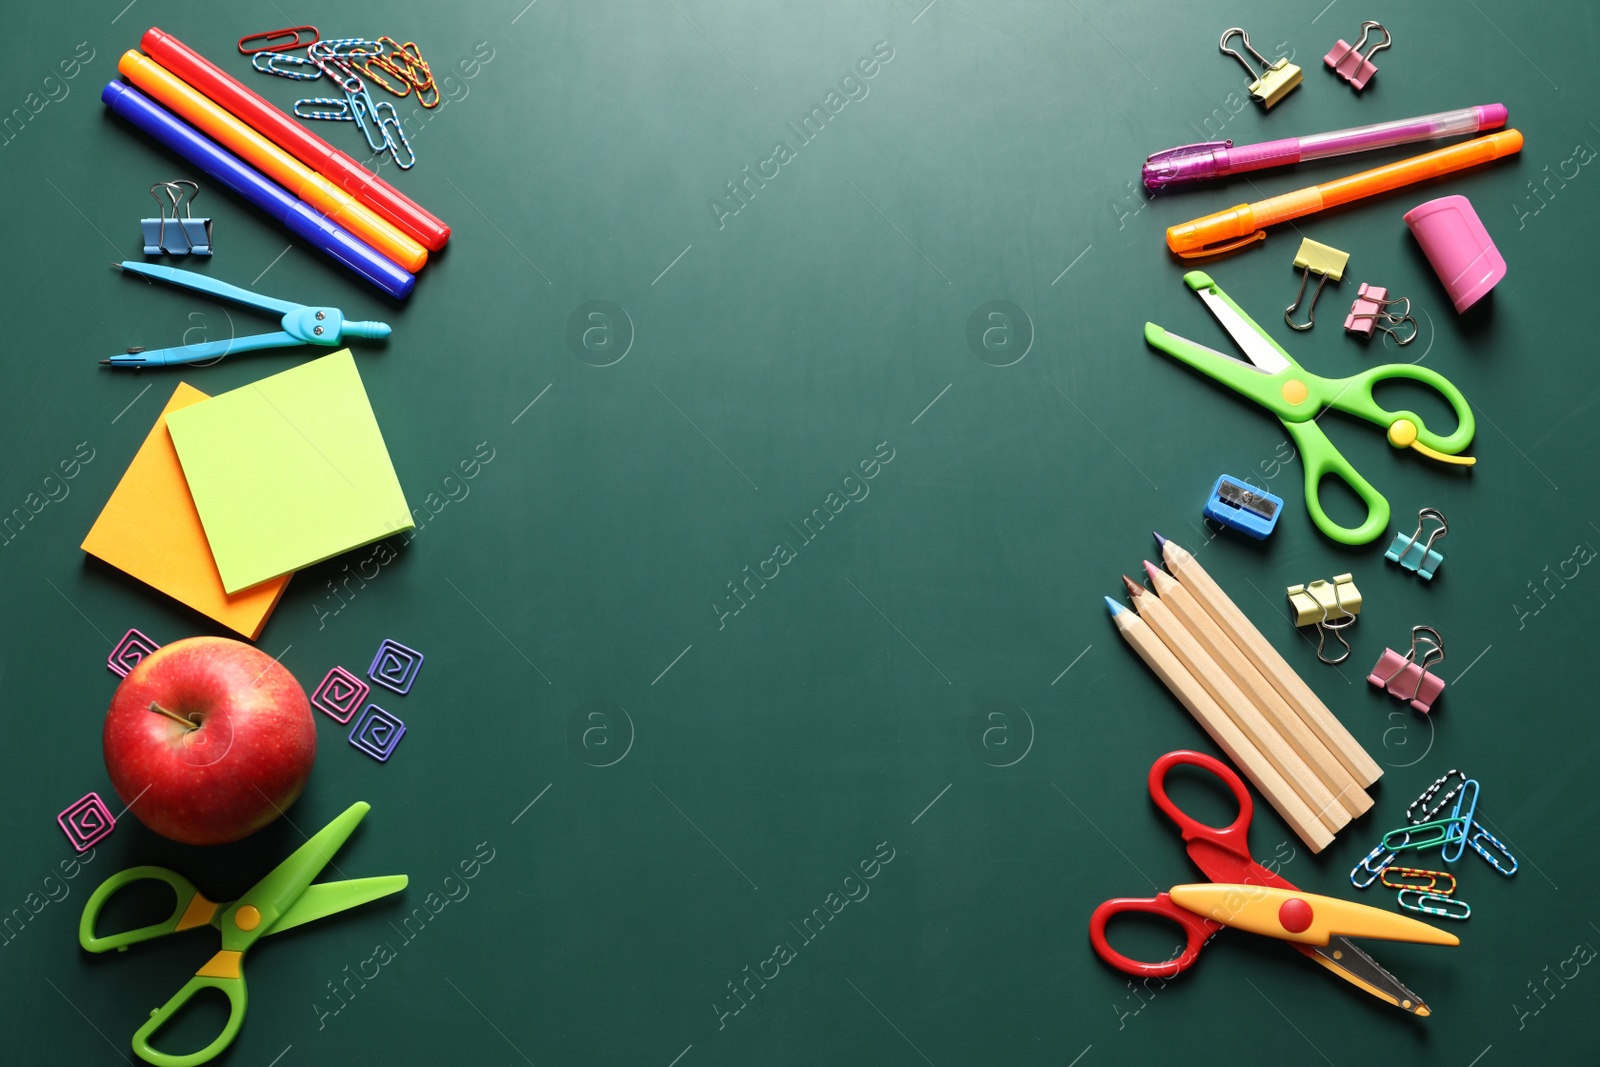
(930, 686)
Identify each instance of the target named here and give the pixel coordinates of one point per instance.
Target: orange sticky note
(150, 529)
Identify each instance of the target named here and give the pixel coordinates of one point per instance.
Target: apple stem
(190, 723)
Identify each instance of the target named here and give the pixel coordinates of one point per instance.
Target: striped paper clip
(1416, 874)
(1434, 904)
(1371, 867)
(336, 109)
(286, 66)
(1499, 857)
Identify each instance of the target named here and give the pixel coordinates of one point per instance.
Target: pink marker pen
(1213, 159)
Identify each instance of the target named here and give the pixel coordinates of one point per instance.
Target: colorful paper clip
(1417, 873)
(1373, 864)
(395, 666)
(284, 65)
(130, 651)
(1370, 311)
(1242, 507)
(176, 236)
(1420, 557)
(1330, 606)
(377, 733)
(340, 694)
(1347, 61)
(1500, 858)
(1466, 808)
(296, 34)
(1407, 677)
(1428, 795)
(1275, 80)
(1325, 262)
(1435, 904)
(87, 822)
(1432, 834)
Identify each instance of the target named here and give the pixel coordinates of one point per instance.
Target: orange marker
(1239, 226)
(277, 164)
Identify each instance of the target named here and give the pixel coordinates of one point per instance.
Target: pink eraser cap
(1491, 116)
(1459, 248)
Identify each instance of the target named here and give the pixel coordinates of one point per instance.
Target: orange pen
(1239, 226)
(273, 161)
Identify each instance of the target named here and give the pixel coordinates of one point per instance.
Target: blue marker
(231, 171)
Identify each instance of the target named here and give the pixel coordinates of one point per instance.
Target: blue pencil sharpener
(1241, 507)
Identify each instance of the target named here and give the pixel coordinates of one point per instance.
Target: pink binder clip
(1408, 678)
(1347, 60)
(1370, 311)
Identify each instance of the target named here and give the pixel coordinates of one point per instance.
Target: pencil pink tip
(1151, 569)
(1161, 542)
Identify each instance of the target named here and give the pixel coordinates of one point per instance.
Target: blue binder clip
(1244, 508)
(176, 236)
(1414, 554)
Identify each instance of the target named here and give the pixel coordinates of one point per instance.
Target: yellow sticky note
(149, 529)
(289, 471)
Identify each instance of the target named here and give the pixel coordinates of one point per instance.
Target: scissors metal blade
(1341, 956)
(329, 898)
(1262, 353)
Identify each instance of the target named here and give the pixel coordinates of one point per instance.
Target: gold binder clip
(1275, 79)
(1325, 262)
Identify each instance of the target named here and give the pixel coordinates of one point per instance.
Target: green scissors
(1275, 381)
(282, 900)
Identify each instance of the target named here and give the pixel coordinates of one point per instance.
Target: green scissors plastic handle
(233, 988)
(191, 905)
(1320, 459)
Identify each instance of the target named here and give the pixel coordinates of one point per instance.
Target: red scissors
(1247, 895)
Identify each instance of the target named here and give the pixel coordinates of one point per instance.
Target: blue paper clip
(176, 236)
(395, 666)
(1244, 508)
(394, 134)
(1435, 904)
(363, 108)
(287, 66)
(337, 109)
(1419, 557)
(1466, 807)
(1372, 867)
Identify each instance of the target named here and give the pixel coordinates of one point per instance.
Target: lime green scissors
(1275, 381)
(282, 900)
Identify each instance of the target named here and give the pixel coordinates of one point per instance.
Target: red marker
(281, 130)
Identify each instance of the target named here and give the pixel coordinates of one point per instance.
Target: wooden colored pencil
(1238, 707)
(1284, 800)
(1313, 712)
(1204, 629)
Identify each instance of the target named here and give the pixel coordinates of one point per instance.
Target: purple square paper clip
(377, 733)
(395, 666)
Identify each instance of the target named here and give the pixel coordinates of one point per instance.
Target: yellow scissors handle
(1321, 460)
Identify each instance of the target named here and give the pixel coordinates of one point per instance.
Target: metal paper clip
(1431, 886)
(1499, 853)
(176, 236)
(1373, 864)
(270, 41)
(363, 108)
(1413, 816)
(416, 70)
(336, 109)
(341, 74)
(1325, 262)
(286, 66)
(1422, 559)
(1394, 672)
(383, 63)
(1347, 61)
(1435, 904)
(1275, 80)
(394, 133)
(1370, 311)
(1465, 809)
(345, 48)
(1425, 835)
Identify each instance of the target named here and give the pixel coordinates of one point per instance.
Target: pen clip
(1206, 251)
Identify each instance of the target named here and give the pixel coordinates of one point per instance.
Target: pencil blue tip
(1116, 609)
(1161, 542)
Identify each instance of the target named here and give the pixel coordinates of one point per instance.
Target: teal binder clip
(1412, 552)
(186, 236)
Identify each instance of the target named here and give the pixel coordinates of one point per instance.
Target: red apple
(208, 740)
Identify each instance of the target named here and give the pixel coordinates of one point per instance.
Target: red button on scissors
(1246, 895)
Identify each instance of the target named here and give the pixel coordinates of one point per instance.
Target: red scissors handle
(1197, 931)
(1223, 853)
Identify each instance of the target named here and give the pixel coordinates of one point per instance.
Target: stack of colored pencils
(1247, 697)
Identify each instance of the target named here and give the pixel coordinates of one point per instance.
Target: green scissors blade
(275, 894)
(329, 898)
